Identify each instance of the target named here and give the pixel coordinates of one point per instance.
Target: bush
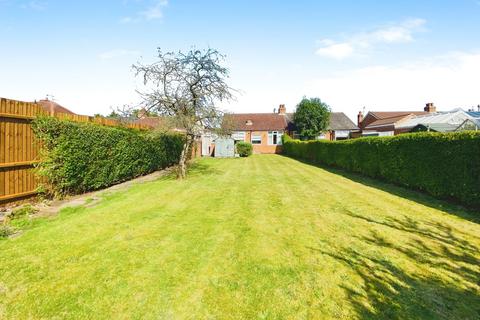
(79, 157)
(445, 165)
(21, 212)
(5, 231)
(244, 149)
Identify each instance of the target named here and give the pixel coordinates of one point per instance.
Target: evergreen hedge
(79, 157)
(446, 165)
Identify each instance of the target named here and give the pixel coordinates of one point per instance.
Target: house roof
(275, 121)
(340, 121)
(454, 118)
(157, 122)
(53, 107)
(385, 118)
(259, 121)
(152, 122)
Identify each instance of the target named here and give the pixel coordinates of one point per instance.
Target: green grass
(265, 237)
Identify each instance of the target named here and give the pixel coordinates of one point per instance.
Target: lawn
(266, 237)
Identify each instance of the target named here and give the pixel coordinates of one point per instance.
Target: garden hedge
(446, 165)
(79, 157)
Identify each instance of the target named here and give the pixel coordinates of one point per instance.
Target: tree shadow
(198, 168)
(400, 191)
(430, 272)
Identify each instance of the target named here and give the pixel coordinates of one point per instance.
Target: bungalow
(265, 130)
(387, 123)
(393, 123)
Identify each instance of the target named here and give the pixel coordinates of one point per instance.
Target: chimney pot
(359, 118)
(282, 110)
(430, 107)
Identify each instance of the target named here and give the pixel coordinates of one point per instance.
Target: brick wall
(264, 147)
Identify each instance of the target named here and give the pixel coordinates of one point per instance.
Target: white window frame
(238, 135)
(278, 134)
(256, 139)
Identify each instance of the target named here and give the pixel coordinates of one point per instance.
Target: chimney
(478, 108)
(359, 118)
(282, 110)
(430, 107)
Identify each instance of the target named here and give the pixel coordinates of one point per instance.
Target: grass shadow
(400, 191)
(443, 284)
(386, 291)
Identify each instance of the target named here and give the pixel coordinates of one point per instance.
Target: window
(274, 138)
(238, 136)
(322, 137)
(256, 139)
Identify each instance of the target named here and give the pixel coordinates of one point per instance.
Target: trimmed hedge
(79, 157)
(446, 165)
(244, 149)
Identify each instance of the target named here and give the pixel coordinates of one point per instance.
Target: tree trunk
(182, 164)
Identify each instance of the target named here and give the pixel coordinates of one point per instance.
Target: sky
(354, 55)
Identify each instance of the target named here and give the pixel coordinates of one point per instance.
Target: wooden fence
(19, 150)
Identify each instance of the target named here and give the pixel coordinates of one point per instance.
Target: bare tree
(185, 87)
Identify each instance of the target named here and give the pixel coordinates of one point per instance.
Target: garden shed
(224, 147)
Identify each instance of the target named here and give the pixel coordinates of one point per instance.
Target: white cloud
(449, 81)
(399, 33)
(336, 50)
(118, 53)
(153, 12)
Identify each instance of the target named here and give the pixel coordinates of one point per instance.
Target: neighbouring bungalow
(265, 130)
(393, 123)
(387, 123)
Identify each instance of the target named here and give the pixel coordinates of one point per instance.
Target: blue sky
(387, 55)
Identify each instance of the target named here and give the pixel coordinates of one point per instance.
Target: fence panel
(19, 150)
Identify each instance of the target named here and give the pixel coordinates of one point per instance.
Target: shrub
(24, 211)
(442, 164)
(244, 149)
(79, 157)
(5, 231)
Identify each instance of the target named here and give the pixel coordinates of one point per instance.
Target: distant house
(393, 123)
(340, 127)
(52, 107)
(265, 130)
(388, 123)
